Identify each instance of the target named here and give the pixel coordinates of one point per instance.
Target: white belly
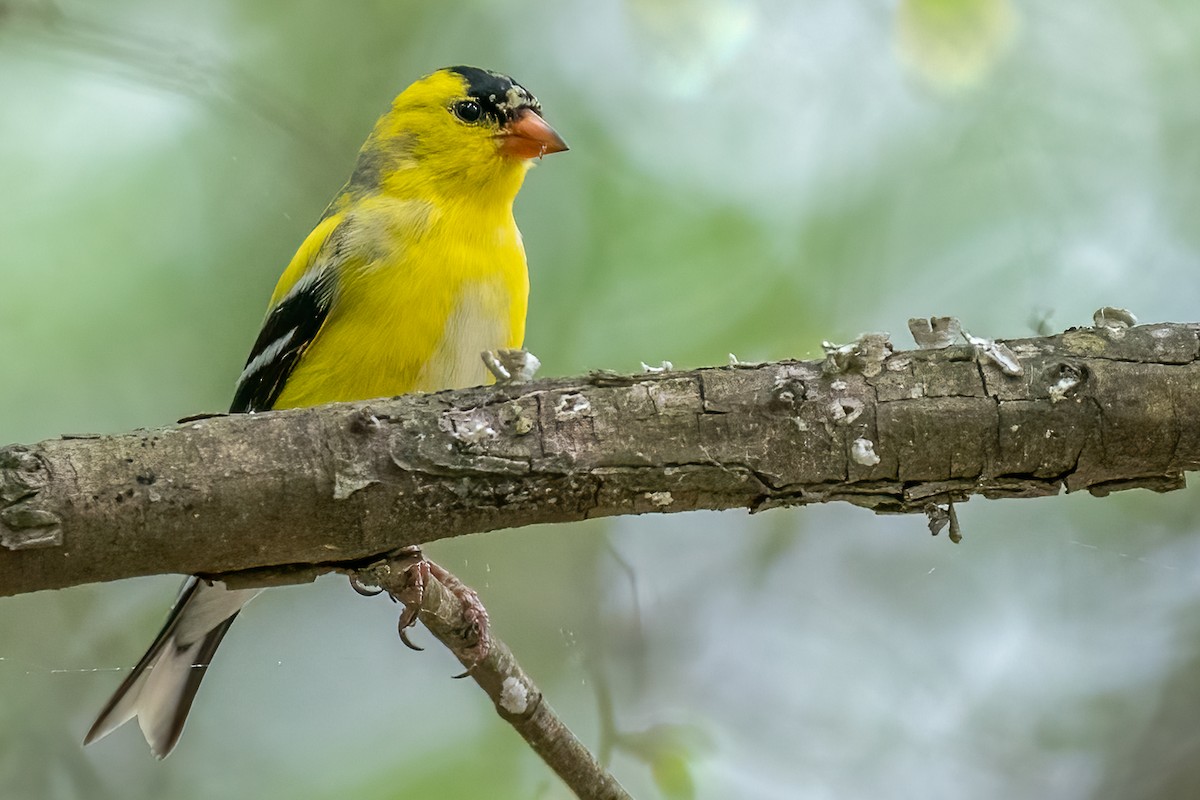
(479, 321)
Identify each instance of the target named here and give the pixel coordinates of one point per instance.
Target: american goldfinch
(414, 270)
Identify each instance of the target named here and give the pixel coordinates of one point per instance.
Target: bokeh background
(745, 177)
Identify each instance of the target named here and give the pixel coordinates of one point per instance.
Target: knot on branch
(22, 526)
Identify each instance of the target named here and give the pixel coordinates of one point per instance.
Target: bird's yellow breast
(423, 288)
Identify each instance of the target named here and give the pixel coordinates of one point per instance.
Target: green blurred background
(746, 177)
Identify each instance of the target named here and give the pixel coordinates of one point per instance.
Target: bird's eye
(467, 110)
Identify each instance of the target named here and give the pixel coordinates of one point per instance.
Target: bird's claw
(416, 577)
(358, 586)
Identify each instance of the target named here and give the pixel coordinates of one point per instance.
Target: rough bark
(284, 496)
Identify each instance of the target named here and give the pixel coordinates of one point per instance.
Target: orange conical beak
(529, 136)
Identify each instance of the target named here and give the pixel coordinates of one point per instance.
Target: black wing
(287, 332)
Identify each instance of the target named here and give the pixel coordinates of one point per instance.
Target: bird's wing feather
(299, 308)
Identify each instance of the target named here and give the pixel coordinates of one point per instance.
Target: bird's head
(459, 131)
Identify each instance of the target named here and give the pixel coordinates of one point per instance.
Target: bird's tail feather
(160, 689)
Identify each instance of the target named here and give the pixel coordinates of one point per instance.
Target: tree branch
(284, 496)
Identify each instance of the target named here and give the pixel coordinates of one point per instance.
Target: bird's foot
(511, 366)
(406, 576)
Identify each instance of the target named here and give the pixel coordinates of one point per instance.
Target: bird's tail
(160, 689)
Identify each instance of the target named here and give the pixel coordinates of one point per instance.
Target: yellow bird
(414, 270)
